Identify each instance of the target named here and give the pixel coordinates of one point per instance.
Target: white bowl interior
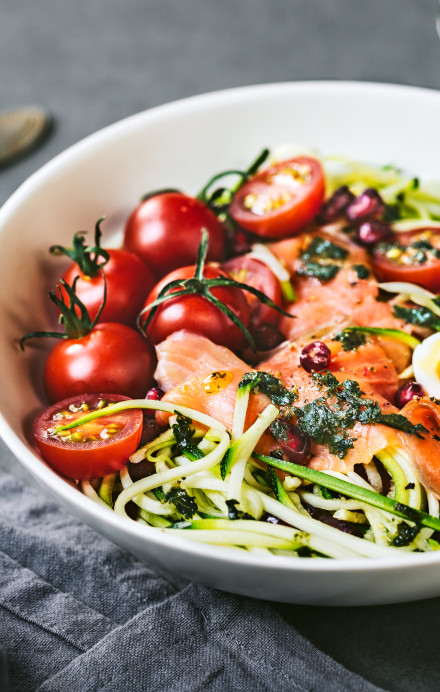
(182, 145)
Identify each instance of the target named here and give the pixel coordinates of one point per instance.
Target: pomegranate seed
(315, 357)
(336, 204)
(367, 206)
(267, 336)
(297, 446)
(372, 232)
(407, 392)
(154, 393)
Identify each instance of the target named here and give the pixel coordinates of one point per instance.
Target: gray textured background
(95, 61)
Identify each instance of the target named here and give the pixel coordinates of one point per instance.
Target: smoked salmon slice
(186, 359)
(350, 365)
(345, 300)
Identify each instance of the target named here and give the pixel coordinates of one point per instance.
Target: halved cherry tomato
(281, 200)
(111, 358)
(128, 280)
(91, 450)
(165, 231)
(198, 315)
(413, 257)
(252, 272)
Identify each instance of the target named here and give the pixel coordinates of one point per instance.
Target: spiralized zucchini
(250, 509)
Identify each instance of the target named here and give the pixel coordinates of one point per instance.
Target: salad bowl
(180, 145)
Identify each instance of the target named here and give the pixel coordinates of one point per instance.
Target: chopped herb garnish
(361, 270)
(327, 418)
(323, 272)
(324, 249)
(184, 434)
(279, 430)
(405, 535)
(234, 513)
(277, 453)
(421, 316)
(184, 503)
(409, 512)
(350, 340)
(315, 259)
(269, 385)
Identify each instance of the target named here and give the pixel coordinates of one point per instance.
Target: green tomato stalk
(90, 258)
(199, 284)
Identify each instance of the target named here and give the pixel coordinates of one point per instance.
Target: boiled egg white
(426, 363)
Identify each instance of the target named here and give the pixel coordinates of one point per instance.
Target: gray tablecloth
(76, 610)
(79, 614)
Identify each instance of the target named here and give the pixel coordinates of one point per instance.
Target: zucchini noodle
(231, 509)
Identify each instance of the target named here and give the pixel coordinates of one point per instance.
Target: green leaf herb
(420, 316)
(350, 340)
(327, 418)
(184, 438)
(269, 385)
(315, 259)
(362, 271)
(184, 503)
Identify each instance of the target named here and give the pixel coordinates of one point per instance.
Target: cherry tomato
(196, 314)
(252, 272)
(111, 358)
(413, 257)
(165, 231)
(281, 200)
(91, 450)
(128, 280)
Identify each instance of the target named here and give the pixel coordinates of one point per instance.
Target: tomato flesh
(196, 314)
(281, 200)
(91, 450)
(165, 231)
(413, 257)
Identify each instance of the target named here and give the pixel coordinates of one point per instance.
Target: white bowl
(182, 145)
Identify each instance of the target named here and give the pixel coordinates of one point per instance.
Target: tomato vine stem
(199, 284)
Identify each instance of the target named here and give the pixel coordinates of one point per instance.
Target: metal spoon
(21, 130)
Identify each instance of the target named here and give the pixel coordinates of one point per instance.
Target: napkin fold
(78, 613)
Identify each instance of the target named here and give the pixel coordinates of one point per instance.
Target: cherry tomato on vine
(412, 256)
(165, 231)
(128, 279)
(250, 271)
(196, 314)
(110, 358)
(93, 449)
(282, 199)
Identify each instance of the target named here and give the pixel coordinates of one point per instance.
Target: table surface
(92, 63)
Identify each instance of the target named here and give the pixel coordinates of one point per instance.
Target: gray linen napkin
(79, 614)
